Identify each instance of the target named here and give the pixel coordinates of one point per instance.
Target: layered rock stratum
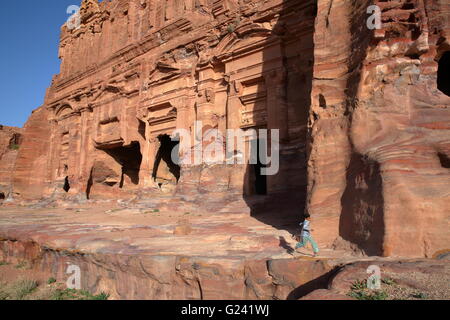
(364, 123)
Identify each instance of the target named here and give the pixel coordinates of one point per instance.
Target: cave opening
(15, 141)
(130, 158)
(2, 196)
(443, 80)
(66, 184)
(444, 159)
(141, 129)
(165, 170)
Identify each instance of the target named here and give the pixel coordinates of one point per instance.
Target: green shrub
(66, 294)
(101, 296)
(359, 285)
(72, 294)
(21, 265)
(14, 147)
(364, 295)
(23, 288)
(3, 295)
(360, 291)
(388, 281)
(420, 295)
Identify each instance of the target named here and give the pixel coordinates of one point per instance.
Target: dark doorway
(443, 80)
(15, 141)
(130, 158)
(141, 129)
(165, 168)
(66, 184)
(90, 184)
(260, 179)
(285, 88)
(2, 196)
(444, 159)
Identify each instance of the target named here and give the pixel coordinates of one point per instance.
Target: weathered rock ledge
(218, 258)
(164, 255)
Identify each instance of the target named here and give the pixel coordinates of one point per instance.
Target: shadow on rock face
(362, 216)
(287, 74)
(285, 245)
(321, 282)
(443, 81)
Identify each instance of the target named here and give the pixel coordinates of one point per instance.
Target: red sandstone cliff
(10, 142)
(379, 132)
(30, 173)
(364, 115)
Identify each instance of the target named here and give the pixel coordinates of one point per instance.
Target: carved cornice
(252, 98)
(161, 120)
(153, 40)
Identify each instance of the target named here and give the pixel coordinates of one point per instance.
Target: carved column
(153, 147)
(147, 153)
(234, 104)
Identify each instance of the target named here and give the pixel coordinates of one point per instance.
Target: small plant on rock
(14, 147)
(72, 294)
(359, 285)
(231, 27)
(360, 291)
(23, 288)
(21, 265)
(420, 295)
(388, 281)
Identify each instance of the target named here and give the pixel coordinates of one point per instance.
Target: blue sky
(29, 35)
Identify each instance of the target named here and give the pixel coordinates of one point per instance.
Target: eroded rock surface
(399, 280)
(379, 128)
(363, 114)
(10, 142)
(135, 254)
